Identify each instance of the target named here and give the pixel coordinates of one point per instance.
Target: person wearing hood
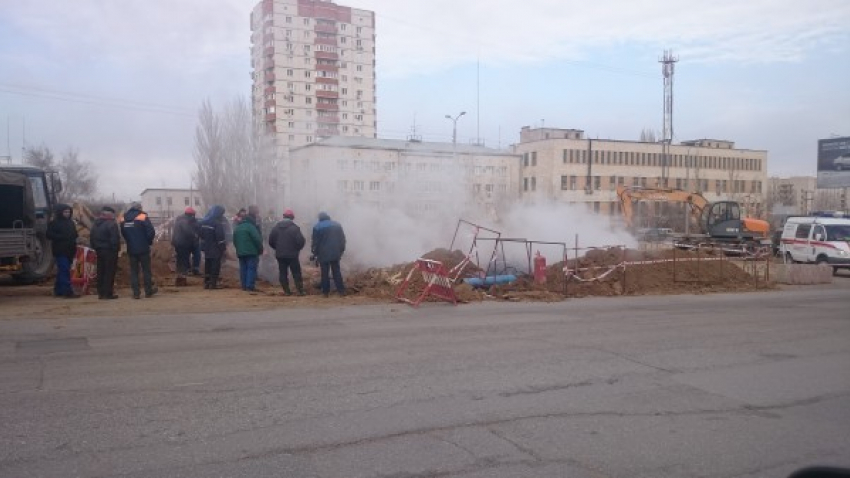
(184, 238)
(139, 234)
(249, 245)
(106, 241)
(214, 243)
(328, 246)
(287, 241)
(62, 233)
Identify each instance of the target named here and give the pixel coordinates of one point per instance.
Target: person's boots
(286, 290)
(299, 286)
(214, 283)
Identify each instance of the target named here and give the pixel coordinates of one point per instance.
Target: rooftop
(358, 142)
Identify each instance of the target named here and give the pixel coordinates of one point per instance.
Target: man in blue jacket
(328, 246)
(139, 233)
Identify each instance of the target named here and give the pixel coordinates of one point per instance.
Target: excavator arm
(630, 195)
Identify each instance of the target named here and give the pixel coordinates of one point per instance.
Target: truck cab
(27, 198)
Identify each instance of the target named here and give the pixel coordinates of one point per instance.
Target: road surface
(744, 385)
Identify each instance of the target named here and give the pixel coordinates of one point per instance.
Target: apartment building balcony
(325, 28)
(325, 41)
(271, 116)
(328, 120)
(268, 103)
(268, 51)
(327, 132)
(327, 107)
(268, 76)
(269, 89)
(327, 81)
(327, 55)
(327, 94)
(333, 68)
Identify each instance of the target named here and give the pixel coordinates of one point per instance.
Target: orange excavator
(719, 221)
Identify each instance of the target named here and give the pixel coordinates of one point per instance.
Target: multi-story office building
(565, 166)
(419, 178)
(313, 70)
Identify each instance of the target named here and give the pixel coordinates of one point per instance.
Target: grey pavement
(743, 385)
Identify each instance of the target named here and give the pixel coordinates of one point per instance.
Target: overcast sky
(122, 80)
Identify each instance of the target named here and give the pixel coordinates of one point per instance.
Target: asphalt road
(747, 385)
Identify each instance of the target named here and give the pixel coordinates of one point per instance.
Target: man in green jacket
(249, 246)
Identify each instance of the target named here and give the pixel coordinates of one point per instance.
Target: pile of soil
(684, 272)
(691, 272)
(383, 283)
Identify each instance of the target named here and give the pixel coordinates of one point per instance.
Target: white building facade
(416, 177)
(163, 204)
(562, 165)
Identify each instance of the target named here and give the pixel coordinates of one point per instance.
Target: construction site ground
(688, 274)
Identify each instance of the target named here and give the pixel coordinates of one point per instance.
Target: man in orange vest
(139, 233)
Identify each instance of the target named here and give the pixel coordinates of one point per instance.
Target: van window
(803, 231)
(819, 230)
(837, 233)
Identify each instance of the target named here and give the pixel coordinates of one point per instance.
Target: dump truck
(27, 199)
(718, 222)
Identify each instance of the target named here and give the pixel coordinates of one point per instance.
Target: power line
(94, 100)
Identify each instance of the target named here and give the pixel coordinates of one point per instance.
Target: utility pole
(668, 69)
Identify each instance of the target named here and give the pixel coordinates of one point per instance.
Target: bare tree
(40, 157)
(235, 163)
(647, 135)
(79, 181)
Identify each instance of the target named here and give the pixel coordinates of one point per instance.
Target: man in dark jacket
(184, 238)
(214, 243)
(287, 241)
(139, 233)
(328, 246)
(62, 233)
(249, 245)
(106, 241)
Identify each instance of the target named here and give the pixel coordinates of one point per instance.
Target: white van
(819, 240)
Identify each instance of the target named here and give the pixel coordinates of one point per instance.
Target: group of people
(285, 238)
(105, 238)
(189, 238)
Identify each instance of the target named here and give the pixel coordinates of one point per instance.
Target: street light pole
(454, 125)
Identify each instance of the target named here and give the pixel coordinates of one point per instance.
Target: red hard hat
(190, 210)
(288, 213)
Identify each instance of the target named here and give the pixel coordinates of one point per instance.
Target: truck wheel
(39, 266)
(821, 261)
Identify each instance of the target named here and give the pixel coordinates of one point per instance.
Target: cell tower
(668, 69)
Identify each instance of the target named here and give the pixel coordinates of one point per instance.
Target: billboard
(834, 163)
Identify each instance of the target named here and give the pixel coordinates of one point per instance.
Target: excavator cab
(723, 220)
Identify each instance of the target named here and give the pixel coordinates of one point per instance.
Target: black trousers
(212, 269)
(107, 264)
(142, 261)
(183, 254)
(284, 265)
(333, 267)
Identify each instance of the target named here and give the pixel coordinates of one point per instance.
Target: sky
(122, 81)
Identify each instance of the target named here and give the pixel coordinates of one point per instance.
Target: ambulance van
(817, 240)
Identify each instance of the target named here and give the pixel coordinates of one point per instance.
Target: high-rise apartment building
(313, 70)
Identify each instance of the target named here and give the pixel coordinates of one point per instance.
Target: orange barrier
(83, 270)
(437, 283)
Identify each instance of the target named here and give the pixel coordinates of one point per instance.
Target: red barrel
(539, 269)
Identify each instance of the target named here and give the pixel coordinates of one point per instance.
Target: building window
(374, 185)
(565, 185)
(197, 201)
(159, 201)
(597, 183)
(524, 184)
(186, 201)
(534, 158)
(534, 184)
